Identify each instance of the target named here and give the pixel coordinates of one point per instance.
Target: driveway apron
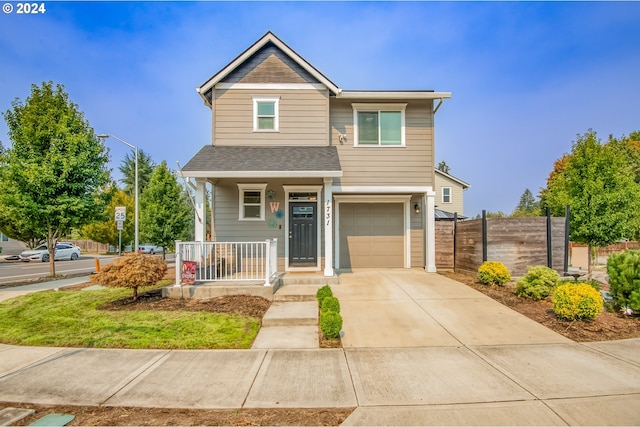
(411, 308)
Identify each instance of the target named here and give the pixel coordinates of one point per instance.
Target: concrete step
(295, 313)
(308, 279)
(297, 293)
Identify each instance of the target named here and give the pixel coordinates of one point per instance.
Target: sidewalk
(460, 380)
(15, 291)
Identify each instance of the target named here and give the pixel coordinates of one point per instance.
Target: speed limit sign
(121, 213)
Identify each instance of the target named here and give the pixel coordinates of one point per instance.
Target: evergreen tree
(166, 215)
(105, 230)
(128, 170)
(443, 167)
(527, 205)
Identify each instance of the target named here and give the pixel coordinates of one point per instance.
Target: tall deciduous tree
(105, 230)
(597, 182)
(55, 168)
(527, 206)
(128, 170)
(165, 211)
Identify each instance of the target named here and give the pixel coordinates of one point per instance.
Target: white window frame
(242, 188)
(450, 195)
(366, 107)
(276, 118)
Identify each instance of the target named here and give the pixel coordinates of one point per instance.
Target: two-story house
(342, 178)
(449, 195)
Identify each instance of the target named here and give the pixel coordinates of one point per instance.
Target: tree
(105, 230)
(165, 211)
(443, 167)
(52, 174)
(597, 182)
(131, 271)
(527, 205)
(128, 170)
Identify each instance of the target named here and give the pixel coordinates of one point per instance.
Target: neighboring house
(10, 246)
(449, 195)
(343, 179)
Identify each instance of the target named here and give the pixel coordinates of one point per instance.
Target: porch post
(200, 211)
(430, 241)
(327, 219)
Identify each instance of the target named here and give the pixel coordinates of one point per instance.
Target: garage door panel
(371, 235)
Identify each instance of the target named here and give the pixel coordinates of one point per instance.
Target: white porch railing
(227, 261)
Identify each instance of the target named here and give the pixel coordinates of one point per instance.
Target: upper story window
(379, 124)
(446, 194)
(266, 114)
(251, 204)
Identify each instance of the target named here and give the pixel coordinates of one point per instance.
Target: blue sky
(525, 77)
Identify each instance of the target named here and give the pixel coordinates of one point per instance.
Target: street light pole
(135, 150)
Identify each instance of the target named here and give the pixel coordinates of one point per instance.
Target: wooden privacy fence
(516, 242)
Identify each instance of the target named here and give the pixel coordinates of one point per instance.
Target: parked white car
(148, 248)
(63, 251)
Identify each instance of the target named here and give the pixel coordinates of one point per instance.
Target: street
(16, 271)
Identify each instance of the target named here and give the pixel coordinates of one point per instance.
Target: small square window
(251, 202)
(265, 114)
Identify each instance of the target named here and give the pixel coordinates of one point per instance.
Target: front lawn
(73, 319)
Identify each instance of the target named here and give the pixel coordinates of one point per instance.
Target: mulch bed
(607, 326)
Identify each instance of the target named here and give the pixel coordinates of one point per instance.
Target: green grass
(71, 319)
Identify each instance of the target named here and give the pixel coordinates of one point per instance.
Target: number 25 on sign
(121, 213)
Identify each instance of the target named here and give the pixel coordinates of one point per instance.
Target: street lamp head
(103, 136)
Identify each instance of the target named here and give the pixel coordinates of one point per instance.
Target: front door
(303, 234)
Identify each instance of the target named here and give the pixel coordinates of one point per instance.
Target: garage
(371, 235)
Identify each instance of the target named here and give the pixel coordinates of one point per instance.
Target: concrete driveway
(411, 308)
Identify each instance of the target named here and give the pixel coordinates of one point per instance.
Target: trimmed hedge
(330, 304)
(330, 324)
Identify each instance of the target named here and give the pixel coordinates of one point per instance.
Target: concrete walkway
(419, 349)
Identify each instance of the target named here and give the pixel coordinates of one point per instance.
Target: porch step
(292, 313)
(308, 279)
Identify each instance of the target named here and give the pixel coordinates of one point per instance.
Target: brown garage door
(371, 235)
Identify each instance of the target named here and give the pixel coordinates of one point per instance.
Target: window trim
(450, 194)
(379, 107)
(242, 188)
(276, 116)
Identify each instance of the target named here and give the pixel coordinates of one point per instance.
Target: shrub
(330, 324)
(330, 304)
(131, 271)
(493, 272)
(574, 301)
(623, 269)
(538, 283)
(322, 293)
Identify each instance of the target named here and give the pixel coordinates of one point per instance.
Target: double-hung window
(266, 117)
(251, 204)
(446, 194)
(379, 124)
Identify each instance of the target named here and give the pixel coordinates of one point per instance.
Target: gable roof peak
(269, 37)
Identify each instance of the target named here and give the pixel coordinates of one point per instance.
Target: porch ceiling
(275, 161)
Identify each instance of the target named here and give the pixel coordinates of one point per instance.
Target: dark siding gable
(269, 65)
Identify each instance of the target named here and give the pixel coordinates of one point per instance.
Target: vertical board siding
(302, 118)
(516, 242)
(445, 245)
(409, 165)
